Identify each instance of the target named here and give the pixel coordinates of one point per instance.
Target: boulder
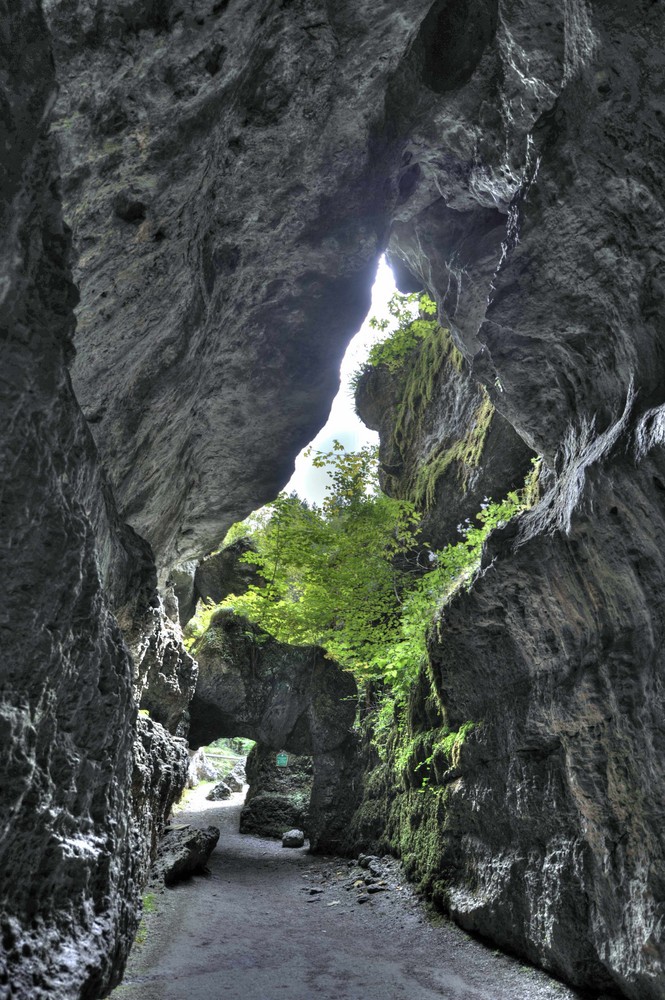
(220, 792)
(236, 779)
(183, 851)
(293, 838)
(200, 769)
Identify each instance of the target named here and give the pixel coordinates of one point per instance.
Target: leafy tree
(452, 568)
(408, 329)
(348, 575)
(331, 576)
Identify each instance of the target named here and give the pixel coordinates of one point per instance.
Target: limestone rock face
(70, 877)
(223, 573)
(164, 672)
(227, 181)
(286, 698)
(535, 217)
(567, 678)
(442, 444)
(159, 775)
(231, 172)
(214, 578)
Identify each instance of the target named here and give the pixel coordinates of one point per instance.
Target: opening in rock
(452, 40)
(343, 424)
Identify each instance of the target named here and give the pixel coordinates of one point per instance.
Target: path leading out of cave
(251, 930)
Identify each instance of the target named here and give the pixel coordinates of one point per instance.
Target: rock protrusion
(293, 838)
(220, 793)
(183, 851)
(283, 697)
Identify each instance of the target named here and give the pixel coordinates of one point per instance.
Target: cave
(195, 197)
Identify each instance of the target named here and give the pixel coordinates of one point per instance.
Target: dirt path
(254, 930)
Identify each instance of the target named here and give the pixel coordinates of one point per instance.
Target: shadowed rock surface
(67, 842)
(74, 847)
(543, 248)
(159, 776)
(164, 672)
(278, 797)
(214, 578)
(285, 698)
(232, 172)
(228, 181)
(183, 851)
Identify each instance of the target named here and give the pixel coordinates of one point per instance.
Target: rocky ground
(269, 922)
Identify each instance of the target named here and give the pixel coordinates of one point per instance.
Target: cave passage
(268, 922)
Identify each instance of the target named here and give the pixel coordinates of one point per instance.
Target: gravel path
(268, 922)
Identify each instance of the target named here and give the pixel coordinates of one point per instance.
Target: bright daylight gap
(343, 424)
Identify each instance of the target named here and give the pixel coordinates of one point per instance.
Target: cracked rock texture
(70, 877)
(442, 445)
(227, 179)
(286, 698)
(232, 170)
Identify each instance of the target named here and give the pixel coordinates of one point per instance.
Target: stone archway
(283, 697)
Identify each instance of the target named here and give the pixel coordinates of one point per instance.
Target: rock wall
(232, 172)
(159, 775)
(214, 578)
(278, 798)
(226, 183)
(70, 879)
(442, 445)
(538, 825)
(73, 845)
(285, 698)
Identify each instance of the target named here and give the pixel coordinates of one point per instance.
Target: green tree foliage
(349, 575)
(413, 319)
(408, 329)
(452, 568)
(330, 572)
